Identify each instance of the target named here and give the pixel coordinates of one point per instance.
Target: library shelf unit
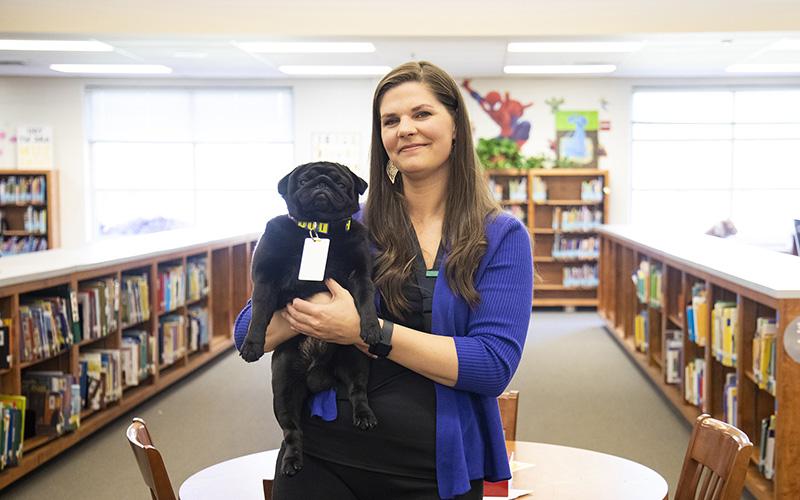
(13, 211)
(61, 272)
(757, 283)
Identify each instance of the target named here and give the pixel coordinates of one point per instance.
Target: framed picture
(576, 137)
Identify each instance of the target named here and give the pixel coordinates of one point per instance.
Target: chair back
(716, 462)
(150, 463)
(508, 413)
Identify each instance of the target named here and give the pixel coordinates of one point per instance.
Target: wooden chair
(716, 462)
(150, 463)
(508, 413)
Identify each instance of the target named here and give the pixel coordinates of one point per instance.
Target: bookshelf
(718, 320)
(126, 287)
(28, 210)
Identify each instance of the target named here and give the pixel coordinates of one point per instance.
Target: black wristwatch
(383, 347)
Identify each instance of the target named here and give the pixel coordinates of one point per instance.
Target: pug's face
(321, 191)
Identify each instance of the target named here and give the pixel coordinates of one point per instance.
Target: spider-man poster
(506, 112)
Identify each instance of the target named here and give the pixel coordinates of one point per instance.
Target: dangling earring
(391, 171)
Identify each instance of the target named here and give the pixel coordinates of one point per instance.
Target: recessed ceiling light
(112, 69)
(562, 47)
(56, 45)
(559, 69)
(763, 68)
(786, 44)
(305, 47)
(335, 70)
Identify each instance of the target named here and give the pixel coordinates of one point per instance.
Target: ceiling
(663, 55)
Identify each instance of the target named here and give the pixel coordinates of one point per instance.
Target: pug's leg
(352, 368)
(288, 395)
(264, 303)
(363, 292)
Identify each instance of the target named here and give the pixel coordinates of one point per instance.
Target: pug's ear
(283, 184)
(361, 184)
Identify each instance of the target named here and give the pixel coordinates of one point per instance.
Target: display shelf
(15, 216)
(31, 273)
(733, 285)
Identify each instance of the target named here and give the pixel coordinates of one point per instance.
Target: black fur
(320, 191)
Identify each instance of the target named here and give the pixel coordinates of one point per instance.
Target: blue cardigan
(489, 340)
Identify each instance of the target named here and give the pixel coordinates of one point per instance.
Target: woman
(447, 261)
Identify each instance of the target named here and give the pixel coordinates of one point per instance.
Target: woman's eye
(423, 114)
(388, 123)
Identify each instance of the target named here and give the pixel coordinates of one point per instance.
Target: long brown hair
(468, 202)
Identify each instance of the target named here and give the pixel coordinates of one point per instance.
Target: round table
(549, 471)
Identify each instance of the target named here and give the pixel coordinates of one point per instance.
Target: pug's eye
(302, 182)
(340, 184)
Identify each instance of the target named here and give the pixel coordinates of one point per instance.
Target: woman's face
(416, 129)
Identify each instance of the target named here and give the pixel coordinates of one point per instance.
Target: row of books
(697, 315)
(5, 343)
(539, 189)
(764, 353)
(171, 287)
(35, 220)
(19, 189)
(98, 305)
(576, 248)
(592, 190)
(724, 326)
(518, 212)
(46, 326)
(136, 356)
(512, 190)
(197, 274)
(100, 377)
(673, 356)
(198, 328)
(135, 303)
(584, 276)
(766, 455)
(649, 278)
(172, 342)
(694, 374)
(730, 400)
(577, 219)
(54, 401)
(16, 245)
(641, 332)
(12, 429)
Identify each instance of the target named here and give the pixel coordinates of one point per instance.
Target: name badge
(315, 256)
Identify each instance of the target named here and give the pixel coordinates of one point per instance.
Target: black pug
(321, 198)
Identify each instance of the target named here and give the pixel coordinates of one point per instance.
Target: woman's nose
(406, 127)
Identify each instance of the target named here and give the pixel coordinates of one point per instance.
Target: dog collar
(323, 227)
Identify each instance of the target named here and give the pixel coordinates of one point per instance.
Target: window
(699, 157)
(169, 158)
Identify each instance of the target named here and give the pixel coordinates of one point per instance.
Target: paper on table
(515, 466)
(512, 493)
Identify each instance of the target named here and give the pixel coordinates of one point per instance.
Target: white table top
(551, 472)
(772, 273)
(34, 266)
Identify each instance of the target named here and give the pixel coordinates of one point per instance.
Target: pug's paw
(291, 465)
(371, 333)
(364, 419)
(251, 350)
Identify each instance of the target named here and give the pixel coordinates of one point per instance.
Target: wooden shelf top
(773, 274)
(567, 202)
(37, 266)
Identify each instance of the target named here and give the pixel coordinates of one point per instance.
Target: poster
(576, 137)
(35, 147)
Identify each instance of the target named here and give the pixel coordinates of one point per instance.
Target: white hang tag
(315, 255)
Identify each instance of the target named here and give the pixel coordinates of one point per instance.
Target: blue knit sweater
(489, 341)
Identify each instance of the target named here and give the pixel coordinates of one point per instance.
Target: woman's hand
(337, 321)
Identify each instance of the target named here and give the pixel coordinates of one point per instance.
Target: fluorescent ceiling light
(562, 47)
(786, 44)
(763, 68)
(335, 70)
(115, 69)
(305, 47)
(559, 69)
(56, 45)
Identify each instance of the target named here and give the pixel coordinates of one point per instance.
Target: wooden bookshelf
(761, 283)
(12, 213)
(27, 274)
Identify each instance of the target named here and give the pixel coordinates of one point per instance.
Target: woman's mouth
(414, 147)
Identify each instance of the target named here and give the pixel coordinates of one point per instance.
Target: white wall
(337, 106)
